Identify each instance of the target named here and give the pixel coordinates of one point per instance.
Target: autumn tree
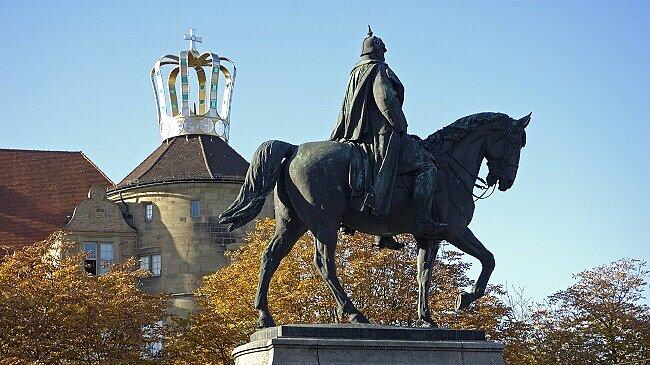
(52, 311)
(598, 320)
(381, 283)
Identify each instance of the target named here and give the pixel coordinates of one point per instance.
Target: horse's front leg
(427, 251)
(465, 241)
(325, 241)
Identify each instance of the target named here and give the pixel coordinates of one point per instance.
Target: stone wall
(98, 219)
(125, 243)
(191, 247)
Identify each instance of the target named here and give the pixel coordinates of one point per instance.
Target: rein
(485, 187)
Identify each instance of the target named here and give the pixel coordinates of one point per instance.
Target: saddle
(413, 154)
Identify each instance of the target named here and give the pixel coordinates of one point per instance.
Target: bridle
(502, 164)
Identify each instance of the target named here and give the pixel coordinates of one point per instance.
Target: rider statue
(371, 115)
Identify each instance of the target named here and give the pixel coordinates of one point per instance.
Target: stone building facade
(173, 199)
(166, 211)
(98, 227)
(166, 217)
(190, 242)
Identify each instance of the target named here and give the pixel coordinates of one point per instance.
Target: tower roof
(188, 158)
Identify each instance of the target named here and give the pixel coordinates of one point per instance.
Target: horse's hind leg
(427, 251)
(465, 241)
(288, 229)
(325, 241)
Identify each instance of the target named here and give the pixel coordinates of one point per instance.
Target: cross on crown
(193, 38)
(175, 116)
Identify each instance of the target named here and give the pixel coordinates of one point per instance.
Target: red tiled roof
(188, 158)
(39, 190)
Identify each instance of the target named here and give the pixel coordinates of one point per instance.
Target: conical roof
(188, 158)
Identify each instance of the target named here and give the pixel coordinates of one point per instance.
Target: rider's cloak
(371, 115)
(373, 102)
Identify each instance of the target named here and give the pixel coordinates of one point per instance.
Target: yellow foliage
(52, 311)
(382, 285)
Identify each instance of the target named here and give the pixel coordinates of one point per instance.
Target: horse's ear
(523, 122)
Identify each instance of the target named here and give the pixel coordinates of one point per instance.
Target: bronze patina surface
(350, 181)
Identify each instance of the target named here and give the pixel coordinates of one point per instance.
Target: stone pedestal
(367, 344)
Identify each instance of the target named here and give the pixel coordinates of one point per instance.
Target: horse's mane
(442, 138)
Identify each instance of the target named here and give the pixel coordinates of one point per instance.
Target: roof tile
(185, 158)
(39, 190)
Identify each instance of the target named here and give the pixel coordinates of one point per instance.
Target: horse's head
(503, 151)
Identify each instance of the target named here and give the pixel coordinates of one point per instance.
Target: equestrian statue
(371, 176)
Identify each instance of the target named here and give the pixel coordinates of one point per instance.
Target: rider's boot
(388, 242)
(347, 230)
(424, 188)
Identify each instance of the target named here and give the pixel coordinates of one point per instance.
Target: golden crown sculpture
(197, 112)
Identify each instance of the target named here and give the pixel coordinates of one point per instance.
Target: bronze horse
(313, 192)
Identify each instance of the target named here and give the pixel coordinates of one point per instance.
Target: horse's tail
(262, 174)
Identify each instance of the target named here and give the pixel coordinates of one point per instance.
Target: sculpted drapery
(371, 115)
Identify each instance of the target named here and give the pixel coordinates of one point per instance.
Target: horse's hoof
(357, 318)
(429, 323)
(464, 300)
(265, 320)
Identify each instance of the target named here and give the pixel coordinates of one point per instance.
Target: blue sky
(76, 77)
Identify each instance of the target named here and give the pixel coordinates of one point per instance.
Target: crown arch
(189, 99)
